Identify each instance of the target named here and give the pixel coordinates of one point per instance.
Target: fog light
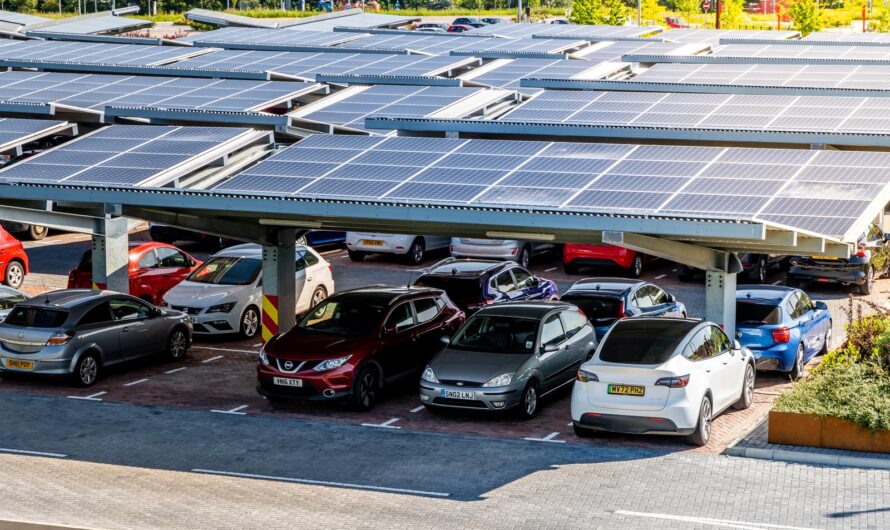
(424, 397)
(218, 323)
(498, 404)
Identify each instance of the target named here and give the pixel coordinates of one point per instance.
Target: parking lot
(218, 375)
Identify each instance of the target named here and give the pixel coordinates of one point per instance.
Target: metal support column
(110, 258)
(279, 287)
(720, 299)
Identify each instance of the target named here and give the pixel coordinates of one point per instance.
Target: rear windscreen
(35, 318)
(752, 313)
(460, 290)
(633, 341)
(600, 310)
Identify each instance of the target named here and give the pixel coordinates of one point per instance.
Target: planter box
(790, 428)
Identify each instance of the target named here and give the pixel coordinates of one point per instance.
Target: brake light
(59, 338)
(481, 304)
(673, 382)
(860, 251)
(582, 313)
(586, 377)
(330, 268)
(781, 335)
(514, 251)
(620, 311)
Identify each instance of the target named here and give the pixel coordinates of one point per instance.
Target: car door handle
(708, 370)
(124, 330)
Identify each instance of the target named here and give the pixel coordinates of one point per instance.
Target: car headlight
(221, 308)
(331, 364)
(429, 375)
(263, 358)
(501, 380)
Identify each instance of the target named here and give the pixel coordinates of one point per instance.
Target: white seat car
(662, 376)
(414, 248)
(224, 295)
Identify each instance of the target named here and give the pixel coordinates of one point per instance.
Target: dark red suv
(355, 342)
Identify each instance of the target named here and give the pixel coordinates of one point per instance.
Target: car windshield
(756, 314)
(646, 341)
(227, 271)
(8, 299)
(600, 310)
(496, 333)
(460, 290)
(35, 317)
(343, 317)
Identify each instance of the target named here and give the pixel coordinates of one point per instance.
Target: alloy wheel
(749, 385)
(88, 370)
(761, 271)
(531, 400)
(417, 253)
(524, 257)
(178, 345)
(638, 266)
(367, 389)
(706, 420)
(318, 296)
(250, 322)
(15, 275)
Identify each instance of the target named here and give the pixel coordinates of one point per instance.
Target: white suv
(224, 295)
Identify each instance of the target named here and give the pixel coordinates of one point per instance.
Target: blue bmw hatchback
(605, 300)
(781, 326)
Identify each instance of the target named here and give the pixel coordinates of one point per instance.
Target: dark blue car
(781, 326)
(605, 300)
(474, 283)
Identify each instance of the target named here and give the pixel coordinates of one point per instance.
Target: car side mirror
(886, 236)
(549, 348)
(736, 345)
(821, 305)
(671, 298)
(445, 339)
(389, 329)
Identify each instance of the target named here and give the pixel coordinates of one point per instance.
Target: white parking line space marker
(209, 348)
(32, 453)
(134, 383)
(726, 523)
(173, 371)
(324, 483)
(660, 276)
(210, 360)
(91, 397)
(388, 424)
(551, 269)
(417, 409)
(330, 252)
(777, 282)
(236, 410)
(570, 424)
(549, 438)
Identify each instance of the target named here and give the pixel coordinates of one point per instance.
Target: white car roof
(250, 250)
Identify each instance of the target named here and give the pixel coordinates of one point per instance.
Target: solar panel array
(417, 42)
(358, 20)
(560, 30)
(713, 36)
(481, 47)
(219, 18)
(307, 65)
(756, 51)
(844, 36)
(94, 52)
(121, 154)
(13, 130)
(511, 73)
(819, 191)
(391, 100)
(614, 51)
(95, 91)
(235, 37)
(98, 25)
(874, 77)
(21, 18)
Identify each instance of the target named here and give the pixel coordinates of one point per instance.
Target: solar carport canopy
(235, 38)
(824, 193)
(863, 77)
(97, 25)
(94, 52)
(15, 132)
(563, 30)
(354, 20)
(775, 54)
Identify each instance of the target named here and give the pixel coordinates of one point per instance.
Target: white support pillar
(111, 255)
(279, 284)
(720, 299)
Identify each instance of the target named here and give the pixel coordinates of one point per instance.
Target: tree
(608, 12)
(731, 15)
(807, 16)
(688, 8)
(652, 11)
(882, 24)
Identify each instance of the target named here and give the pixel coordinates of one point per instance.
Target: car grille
(463, 384)
(459, 403)
(186, 310)
(297, 365)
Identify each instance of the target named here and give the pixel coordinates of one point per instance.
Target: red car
(458, 28)
(676, 22)
(575, 256)
(356, 342)
(13, 260)
(154, 269)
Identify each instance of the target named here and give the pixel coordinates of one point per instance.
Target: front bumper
(853, 275)
(630, 424)
(214, 324)
(492, 399)
(323, 386)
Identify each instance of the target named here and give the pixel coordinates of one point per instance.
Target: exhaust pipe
(329, 392)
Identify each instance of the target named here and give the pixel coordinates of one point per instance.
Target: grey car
(508, 356)
(79, 332)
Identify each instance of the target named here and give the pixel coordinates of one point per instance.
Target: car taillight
(586, 377)
(673, 382)
(621, 313)
(330, 268)
(860, 251)
(514, 251)
(59, 338)
(481, 304)
(781, 335)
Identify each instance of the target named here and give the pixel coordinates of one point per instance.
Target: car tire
(250, 322)
(15, 274)
(318, 296)
(528, 405)
(355, 255)
(569, 268)
(797, 370)
(826, 342)
(365, 389)
(581, 432)
(867, 286)
(416, 252)
(747, 396)
(177, 344)
(525, 257)
(87, 369)
(758, 275)
(702, 432)
(636, 268)
(37, 232)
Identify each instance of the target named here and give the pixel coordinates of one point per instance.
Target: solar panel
(557, 30)
(511, 72)
(357, 20)
(95, 53)
(15, 132)
(97, 25)
(774, 54)
(431, 44)
(239, 38)
(601, 178)
(220, 19)
(143, 155)
(713, 36)
(614, 51)
(518, 47)
(844, 36)
(20, 18)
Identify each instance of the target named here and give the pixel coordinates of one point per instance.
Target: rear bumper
(485, 251)
(855, 274)
(629, 424)
(597, 262)
(780, 358)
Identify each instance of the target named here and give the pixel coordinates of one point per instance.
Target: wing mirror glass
(549, 348)
(736, 345)
(821, 305)
(671, 298)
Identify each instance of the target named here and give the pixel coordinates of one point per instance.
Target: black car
(474, 283)
(754, 267)
(469, 21)
(870, 261)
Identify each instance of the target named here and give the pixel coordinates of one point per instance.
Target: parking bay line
(235, 410)
(549, 438)
(208, 348)
(91, 397)
(323, 483)
(134, 383)
(417, 409)
(388, 424)
(551, 269)
(210, 360)
(777, 282)
(726, 523)
(31, 453)
(173, 371)
(660, 276)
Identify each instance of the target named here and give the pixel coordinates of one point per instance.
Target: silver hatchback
(79, 332)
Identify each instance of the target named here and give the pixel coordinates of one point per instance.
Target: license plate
(825, 258)
(372, 243)
(458, 394)
(21, 365)
(285, 381)
(627, 390)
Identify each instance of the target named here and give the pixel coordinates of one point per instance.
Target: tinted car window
(172, 258)
(400, 318)
(657, 296)
(227, 271)
(309, 258)
(793, 306)
(86, 262)
(699, 346)
(342, 316)
(461, 290)
(754, 313)
(804, 304)
(634, 341)
(573, 322)
(300, 264)
(36, 317)
(496, 333)
(524, 279)
(148, 260)
(601, 310)
(552, 331)
(642, 298)
(96, 315)
(124, 309)
(504, 282)
(719, 342)
(426, 309)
